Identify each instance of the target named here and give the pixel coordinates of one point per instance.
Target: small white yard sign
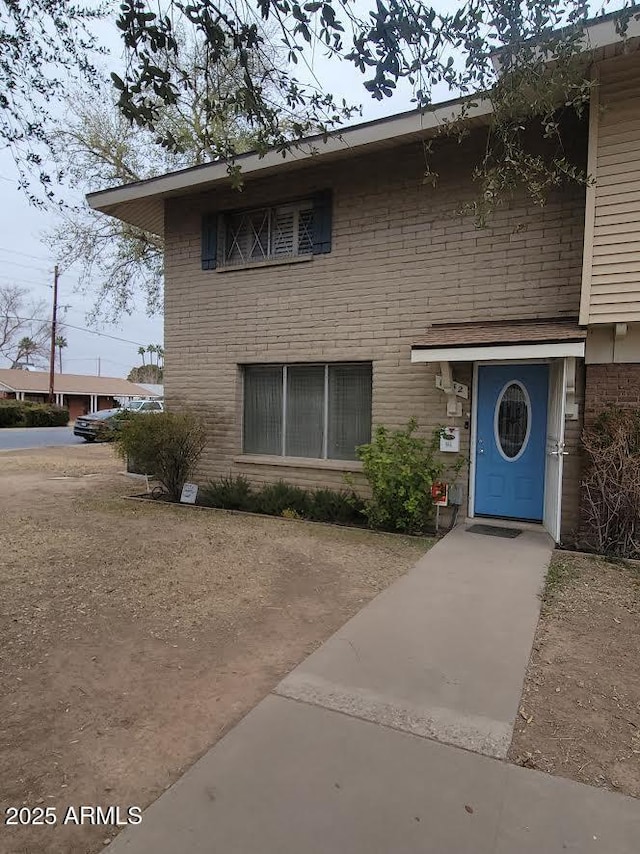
(189, 493)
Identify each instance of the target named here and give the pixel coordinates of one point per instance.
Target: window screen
(263, 410)
(313, 411)
(266, 233)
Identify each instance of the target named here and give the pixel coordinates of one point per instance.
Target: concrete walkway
(353, 751)
(441, 653)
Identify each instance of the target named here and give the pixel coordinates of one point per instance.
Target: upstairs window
(274, 233)
(267, 233)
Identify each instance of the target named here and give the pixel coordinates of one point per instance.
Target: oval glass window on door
(512, 421)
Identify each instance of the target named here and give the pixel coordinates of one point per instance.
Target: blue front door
(511, 440)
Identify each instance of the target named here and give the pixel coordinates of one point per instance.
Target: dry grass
(134, 635)
(580, 713)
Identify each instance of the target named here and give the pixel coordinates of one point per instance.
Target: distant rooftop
(37, 382)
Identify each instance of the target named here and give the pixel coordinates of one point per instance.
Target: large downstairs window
(313, 411)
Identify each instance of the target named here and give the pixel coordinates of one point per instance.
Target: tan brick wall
(614, 384)
(611, 385)
(401, 259)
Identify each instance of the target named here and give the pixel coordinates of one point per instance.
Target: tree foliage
(152, 374)
(526, 58)
(24, 334)
(43, 45)
(97, 148)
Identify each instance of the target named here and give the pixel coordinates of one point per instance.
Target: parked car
(145, 406)
(98, 426)
(102, 426)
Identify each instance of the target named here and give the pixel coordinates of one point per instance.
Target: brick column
(611, 385)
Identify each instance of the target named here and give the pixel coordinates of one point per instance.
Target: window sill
(271, 262)
(298, 462)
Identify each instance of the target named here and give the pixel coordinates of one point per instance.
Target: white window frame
(271, 212)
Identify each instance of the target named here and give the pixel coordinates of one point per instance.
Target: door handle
(481, 446)
(559, 451)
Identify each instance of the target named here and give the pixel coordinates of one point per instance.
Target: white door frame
(474, 424)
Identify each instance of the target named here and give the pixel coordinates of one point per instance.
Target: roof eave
(344, 143)
(142, 203)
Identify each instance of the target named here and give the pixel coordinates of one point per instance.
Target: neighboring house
(341, 291)
(152, 389)
(79, 393)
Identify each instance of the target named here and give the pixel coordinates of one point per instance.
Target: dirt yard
(580, 712)
(134, 635)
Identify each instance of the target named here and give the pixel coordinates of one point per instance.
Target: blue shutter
(322, 205)
(209, 241)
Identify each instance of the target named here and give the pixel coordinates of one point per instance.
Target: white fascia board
(506, 352)
(604, 33)
(5, 387)
(343, 140)
(596, 35)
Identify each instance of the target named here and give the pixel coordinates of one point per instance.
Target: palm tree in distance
(141, 352)
(61, 343)
(27, 347)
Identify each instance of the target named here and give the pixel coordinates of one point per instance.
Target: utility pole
(52, 357)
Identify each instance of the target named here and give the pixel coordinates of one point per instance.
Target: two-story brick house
(339, 290)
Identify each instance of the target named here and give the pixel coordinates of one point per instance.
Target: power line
(19, 264)
(71, 326)
(23, 254)
(12, 279)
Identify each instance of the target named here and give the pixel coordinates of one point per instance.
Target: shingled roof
(499, 332)
(37, 382)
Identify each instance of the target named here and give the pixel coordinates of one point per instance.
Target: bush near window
(165, 445)
(19, 413)
(611, 487)
(401, 468)
(228, 493)
(283, 499)
(274, 498)
(342, 508)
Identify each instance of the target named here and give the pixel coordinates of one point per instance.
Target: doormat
(493, 531)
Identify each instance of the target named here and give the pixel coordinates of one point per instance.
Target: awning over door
(500, 340)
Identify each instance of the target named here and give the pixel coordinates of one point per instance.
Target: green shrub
(283, 499)
(400, 468)
(23, 413)
(274, 498)
(342, 508)
(60, 416)
(11, 413)
(229, 493)
(165, 445)
(44, 415)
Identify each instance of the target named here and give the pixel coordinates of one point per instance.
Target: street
(19, 438)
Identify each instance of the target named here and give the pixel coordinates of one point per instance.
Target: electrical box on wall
(450, 439)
